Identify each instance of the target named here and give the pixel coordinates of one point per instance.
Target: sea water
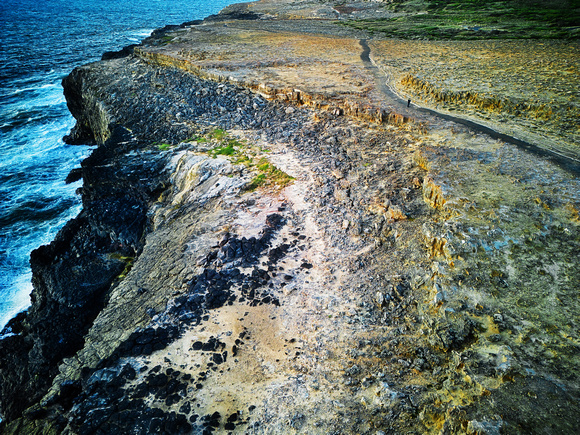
(41, 41)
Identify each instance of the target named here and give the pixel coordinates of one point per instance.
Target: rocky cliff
(272, 242)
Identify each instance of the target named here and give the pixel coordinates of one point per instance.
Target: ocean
(41, 41)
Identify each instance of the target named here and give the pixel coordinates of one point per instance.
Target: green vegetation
(478, 19)
(198, 139)
(258, 181)
(165, 39)
(218, 134)
(225, 150)
(243, 159)
(267, 175)
(163, 146)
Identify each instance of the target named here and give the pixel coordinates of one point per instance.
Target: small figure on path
(408, 103)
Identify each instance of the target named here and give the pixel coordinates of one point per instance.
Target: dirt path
(410, 109)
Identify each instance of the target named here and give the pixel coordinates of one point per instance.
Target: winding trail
(568, 163)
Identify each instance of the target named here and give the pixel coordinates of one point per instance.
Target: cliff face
(72, 275)
(252, 255)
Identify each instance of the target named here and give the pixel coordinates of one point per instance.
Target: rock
(433, 193)
(484, 427)
(74, 175)
(338, 174)
(440, 295)
(380, 299)
(385, 396)
(394, 213)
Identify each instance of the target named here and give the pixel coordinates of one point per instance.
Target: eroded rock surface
(256, 260)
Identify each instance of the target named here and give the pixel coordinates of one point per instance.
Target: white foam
(17, 300)
(35, 88)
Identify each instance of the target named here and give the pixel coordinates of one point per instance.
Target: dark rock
(234, 15)
(36, 413)
(185, 408)
(274, 221)
(74, 175)
(124, 52)
(157, 380)
(172, 400)
(217, 358)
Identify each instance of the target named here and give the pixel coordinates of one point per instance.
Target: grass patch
(478, 19)
(243, 159)
(218, 134)
(198, 139)
(164, 146)
(267, 175)
(258, 181)
(239, 152)
(225, 150)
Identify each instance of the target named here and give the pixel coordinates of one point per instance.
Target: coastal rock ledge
(272, 242)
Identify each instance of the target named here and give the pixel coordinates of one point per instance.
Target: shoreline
(285, 250)
(34, 190)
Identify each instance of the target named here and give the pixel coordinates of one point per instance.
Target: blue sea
(41, 41)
